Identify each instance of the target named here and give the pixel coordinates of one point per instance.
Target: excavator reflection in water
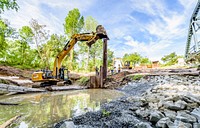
(47, 77)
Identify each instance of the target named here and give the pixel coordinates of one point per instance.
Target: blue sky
(153, 28)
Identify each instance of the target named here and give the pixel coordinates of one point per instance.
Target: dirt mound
(117, 80)
(11, 71)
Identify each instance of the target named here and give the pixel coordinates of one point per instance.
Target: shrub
(136, 77)
(84, 80)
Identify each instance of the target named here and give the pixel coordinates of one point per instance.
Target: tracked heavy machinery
(123, 64)
(47, 77)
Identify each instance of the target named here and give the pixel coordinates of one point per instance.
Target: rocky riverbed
(162, 101)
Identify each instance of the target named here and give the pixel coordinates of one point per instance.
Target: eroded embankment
(168, 100)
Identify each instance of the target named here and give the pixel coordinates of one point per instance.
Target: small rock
(143, 113)
(196, 125)
(133, 108)
(178, 105)
(164, 122)
(142, 125)
(180, 124)
(192, 106)
(170, 114)
(65, 124)
(183, 116)
(196, 113)
(156, 116)
(193, 98)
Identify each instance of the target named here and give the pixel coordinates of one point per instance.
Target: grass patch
(105, 113)
(83, 81)
(136, 77)
(4, 81)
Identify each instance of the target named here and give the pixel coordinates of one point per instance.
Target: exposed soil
(11, 71)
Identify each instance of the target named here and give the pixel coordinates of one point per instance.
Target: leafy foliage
(110, 57)
(40, 36)
(136, 77)
(105, 113)
(74, 22)
(133, 57)
(83, 81)
(170, 59)
(3, 29)
(8, 4)
(145, 60)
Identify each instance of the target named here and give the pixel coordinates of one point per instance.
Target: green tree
(90, 26)
(53, 46)
(5, 31)
(74, 22)
(170, 59)
(133, 57)
(26, 35)
(8, 4)
(40, 36)
(125, 57)
(3, 44)
(110, 57)
(145, 60)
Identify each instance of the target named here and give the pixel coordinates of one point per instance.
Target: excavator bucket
(101, 32)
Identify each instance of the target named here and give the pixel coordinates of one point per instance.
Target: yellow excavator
(47, 77)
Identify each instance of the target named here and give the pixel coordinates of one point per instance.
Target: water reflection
(43, 110)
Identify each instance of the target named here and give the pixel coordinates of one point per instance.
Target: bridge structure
(192, 51)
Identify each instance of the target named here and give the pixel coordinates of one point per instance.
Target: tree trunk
(38, 49)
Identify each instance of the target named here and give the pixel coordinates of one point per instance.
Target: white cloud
(32, 9)
(166, 25)
(151, 49)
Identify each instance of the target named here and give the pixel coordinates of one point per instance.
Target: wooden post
(105, 58)
(101, 77)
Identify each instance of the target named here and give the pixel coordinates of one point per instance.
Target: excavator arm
(91, 38)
